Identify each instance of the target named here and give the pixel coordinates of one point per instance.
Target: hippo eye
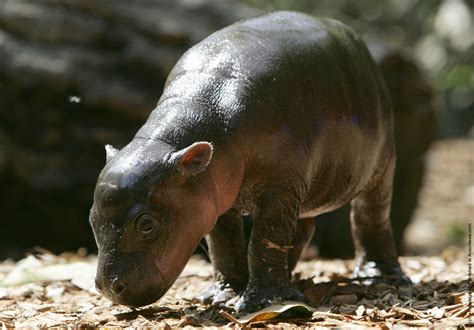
(145, 225)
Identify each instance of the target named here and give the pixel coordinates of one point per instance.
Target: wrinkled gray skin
(281, 117)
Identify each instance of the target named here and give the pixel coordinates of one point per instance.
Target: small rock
(360, 310)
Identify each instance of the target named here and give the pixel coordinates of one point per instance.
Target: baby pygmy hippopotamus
(282, 117)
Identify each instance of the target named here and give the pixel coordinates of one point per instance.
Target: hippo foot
(374, 272)
(254, 298)
(217, 293)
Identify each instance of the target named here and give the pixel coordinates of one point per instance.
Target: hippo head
(152, 205)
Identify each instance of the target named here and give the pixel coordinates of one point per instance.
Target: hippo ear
(110, 152)
(193, 159)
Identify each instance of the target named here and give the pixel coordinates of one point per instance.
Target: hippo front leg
(302, 238)
(228, 253)
(270, 242)
(375, 252)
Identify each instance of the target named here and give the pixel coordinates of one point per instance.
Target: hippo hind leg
(375, 252)
(228, 253)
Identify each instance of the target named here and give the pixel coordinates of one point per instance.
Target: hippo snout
(98, 285)
(125, 292)
(115, 288)
(129, 281)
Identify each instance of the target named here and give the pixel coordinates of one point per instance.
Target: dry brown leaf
(460, 312)
(349, 299)
(417, 323)
(325, 315)
(289, 309)
(405, 311)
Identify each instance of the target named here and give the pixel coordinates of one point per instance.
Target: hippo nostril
(118, 288)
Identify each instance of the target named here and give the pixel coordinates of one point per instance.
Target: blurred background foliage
(439, 33)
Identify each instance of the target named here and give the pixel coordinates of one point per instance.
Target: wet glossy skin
(300, 124)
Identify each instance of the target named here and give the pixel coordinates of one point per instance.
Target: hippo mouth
(149, 295)
(132, 297)
(137, 284)
(169, 266)
(167, 284)
(138, 300)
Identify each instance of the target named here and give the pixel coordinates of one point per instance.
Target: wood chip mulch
(438, 297)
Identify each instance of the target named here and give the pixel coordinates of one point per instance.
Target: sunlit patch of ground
(446, 201)
(437, 297)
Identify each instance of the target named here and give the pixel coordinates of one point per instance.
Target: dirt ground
(446, 201)
(44, 290)
(437, 297)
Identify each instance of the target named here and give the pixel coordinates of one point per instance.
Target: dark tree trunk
(74, 76)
